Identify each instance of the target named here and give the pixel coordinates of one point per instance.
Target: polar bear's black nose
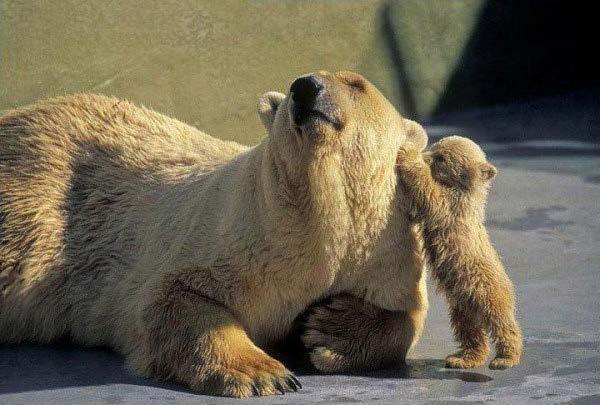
(305, 91)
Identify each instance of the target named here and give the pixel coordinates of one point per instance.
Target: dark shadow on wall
(395, 54)
(522, 49)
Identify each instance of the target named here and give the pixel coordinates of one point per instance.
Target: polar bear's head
(332, 145)
(336, 114)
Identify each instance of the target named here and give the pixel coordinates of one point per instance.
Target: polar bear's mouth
(303, 117)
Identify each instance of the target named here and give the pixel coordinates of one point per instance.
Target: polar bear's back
(141, 136)
(74, 173)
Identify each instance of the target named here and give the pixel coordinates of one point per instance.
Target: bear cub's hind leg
(509, 341)
(490, 310)
(496, 303)
(470, 333)
(197, 342)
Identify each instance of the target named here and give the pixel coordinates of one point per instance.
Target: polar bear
(189, 255)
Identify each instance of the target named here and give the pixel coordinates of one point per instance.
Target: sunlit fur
(447, 189)
(125, 228)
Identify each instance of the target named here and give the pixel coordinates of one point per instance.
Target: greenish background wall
(206, 62)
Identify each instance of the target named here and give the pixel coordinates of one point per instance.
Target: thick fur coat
(447, 189)
(122, 227)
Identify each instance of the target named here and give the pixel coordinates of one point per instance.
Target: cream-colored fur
(122, 227)
(447, 191)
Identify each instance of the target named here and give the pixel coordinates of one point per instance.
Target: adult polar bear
(122, 227)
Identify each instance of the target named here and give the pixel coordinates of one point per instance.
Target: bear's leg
(198, 342)
(467, 324)
(346, 333)
(505, 330)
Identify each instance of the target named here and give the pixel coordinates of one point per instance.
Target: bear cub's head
(459, 163)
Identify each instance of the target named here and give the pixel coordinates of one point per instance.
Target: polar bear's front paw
(329, 361)
(329, 335)
(254, 374)
(346, 334)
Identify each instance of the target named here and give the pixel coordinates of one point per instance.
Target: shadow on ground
(36, 368)
(39, 368)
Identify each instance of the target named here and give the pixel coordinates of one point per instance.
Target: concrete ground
(544, 218)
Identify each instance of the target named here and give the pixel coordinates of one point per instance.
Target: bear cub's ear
(268, 104)
(488, 171)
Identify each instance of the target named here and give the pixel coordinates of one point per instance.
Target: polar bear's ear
(416, 134)
(268, 104)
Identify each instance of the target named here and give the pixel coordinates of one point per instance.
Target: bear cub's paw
(501, 363)
(466, 359)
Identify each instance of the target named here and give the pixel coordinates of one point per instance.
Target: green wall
(206, 62)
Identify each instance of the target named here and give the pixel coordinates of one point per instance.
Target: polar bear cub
(447, 191)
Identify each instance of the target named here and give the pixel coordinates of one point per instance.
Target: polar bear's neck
(334, 207)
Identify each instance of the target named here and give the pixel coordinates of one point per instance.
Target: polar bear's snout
(313, 101)
(305, 91)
